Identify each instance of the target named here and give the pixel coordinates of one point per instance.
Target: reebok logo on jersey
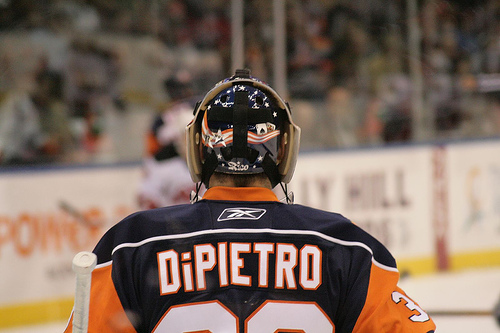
(241, 213)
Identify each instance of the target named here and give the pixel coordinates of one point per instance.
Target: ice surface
(471, 290)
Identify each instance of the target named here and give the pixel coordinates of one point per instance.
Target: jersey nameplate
(280, 266)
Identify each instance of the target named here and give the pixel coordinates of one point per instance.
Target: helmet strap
(271, 170)
(289, 196)
(208, 168)
(195, 195)
(240, 124)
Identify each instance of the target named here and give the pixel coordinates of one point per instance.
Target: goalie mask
(242, 126)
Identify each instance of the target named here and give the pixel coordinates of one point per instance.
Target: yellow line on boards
(35, 313)
(458, 261)
(485, 258)
(417, 266)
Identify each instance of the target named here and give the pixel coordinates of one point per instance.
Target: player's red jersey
(241, 261)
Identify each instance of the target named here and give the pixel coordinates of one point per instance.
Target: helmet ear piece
(290, 145)
(193, 146)
(196, 106)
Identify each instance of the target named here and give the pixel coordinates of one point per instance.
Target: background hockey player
(238, 260)
(166, 180)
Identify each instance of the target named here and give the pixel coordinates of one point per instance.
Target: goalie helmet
(242, 126)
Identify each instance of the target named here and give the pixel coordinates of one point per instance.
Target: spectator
(343, 43)
(84, 16)
(396, 114)
(493, 118)
(34, 127)
(370, 131)
(343, 120)
(91, 90)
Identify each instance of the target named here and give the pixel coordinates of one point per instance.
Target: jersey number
(270, 317)
(421, 317)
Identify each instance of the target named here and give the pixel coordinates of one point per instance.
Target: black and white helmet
(242, 126)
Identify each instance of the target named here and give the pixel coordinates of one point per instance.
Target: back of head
(179, 86)
(242, 127)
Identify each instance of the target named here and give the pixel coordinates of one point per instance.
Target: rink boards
(436, 207)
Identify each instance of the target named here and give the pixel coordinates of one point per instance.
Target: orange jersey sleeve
(106, 313)
(152, 144)
(388, 309)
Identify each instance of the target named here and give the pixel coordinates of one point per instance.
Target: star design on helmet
(218, 138)
(240, 88)
(219, 156)
(266, 104)
(260, 158)
(275, 114)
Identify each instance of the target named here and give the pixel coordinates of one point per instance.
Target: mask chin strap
(289, 196)
(208, 168)
(271, 170)
(194, 196)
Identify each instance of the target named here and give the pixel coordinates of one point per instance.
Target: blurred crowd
(72, 70)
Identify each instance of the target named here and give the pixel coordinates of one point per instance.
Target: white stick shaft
(83, 265)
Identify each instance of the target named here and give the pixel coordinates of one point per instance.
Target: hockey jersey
(241, 261)
(165, 183)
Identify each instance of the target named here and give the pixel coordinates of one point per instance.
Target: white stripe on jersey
(257, 231)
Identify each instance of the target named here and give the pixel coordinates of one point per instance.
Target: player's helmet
(242, 126)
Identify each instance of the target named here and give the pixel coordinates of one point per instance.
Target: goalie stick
(83, 264)
(459, 313)
(72, 211)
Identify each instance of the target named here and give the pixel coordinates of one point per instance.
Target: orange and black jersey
(241, 261)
